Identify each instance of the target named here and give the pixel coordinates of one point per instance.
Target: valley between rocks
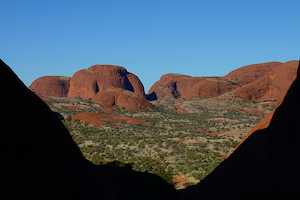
(182, 140)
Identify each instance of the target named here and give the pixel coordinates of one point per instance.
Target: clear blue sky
(148, 38)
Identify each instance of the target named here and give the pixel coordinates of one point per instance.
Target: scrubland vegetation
(193, 144)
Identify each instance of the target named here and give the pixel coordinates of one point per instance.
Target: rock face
(210, 87)
(124, 99)
(265, 165)
(187, 86)
(52, 85)
(167, 91)
(250, 73)
(272, 85)
(86, 83)
(172, 85)
(40, 160)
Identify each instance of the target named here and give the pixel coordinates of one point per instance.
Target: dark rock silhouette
(52, 85)
(265, 165)
(40, 160)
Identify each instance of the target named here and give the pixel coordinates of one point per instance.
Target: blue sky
(148, 38)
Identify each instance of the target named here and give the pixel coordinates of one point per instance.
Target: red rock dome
(250, 73)
(52, 85)
(86, 83)
(270, 86)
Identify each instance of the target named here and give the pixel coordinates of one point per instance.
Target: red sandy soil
(72, 107)
(182, 140)
(100, 119)
(218, 133)
(218, 120)
(179, 109)
(231, 122)
(223, 156)
(179, 180)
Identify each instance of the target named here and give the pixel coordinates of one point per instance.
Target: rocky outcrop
(210, 87)
(40, 160)
(86, 83)
(124, 99)
(100, 119)
(187, 86)
(171, 85)
(272, 85)
(250, 73)
(265, 165)
(52, 85)
(167, 91)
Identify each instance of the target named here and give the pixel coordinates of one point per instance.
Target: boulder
(52, 85)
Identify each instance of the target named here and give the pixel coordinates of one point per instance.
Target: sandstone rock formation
(250, 73)
(265, 165)
(52, 85)
(100, 119)
(86, 83)
(167, 91)
(272, 85)
(124, 99)
(187, 86)
(40, 160)
(172, 85)
(210, 87)
(182, 81)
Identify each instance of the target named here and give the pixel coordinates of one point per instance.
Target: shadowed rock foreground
(265, 165)
(40, 160)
